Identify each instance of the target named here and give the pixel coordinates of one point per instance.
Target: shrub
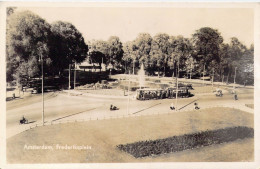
(186, 141)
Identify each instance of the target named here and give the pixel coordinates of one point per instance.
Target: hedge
(185, 142)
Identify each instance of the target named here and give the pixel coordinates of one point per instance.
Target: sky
(128, 22)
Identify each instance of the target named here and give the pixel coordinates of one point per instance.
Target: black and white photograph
(137, 83)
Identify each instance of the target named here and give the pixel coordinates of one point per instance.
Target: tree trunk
(227, 76)
(69, 76)
(164, 70)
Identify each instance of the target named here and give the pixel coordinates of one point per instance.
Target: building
(90, 67)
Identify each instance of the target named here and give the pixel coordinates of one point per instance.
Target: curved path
(62, 106)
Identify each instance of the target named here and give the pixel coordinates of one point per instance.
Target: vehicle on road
(219, 93)
(149, 94)
(24, 120)
(113, 108)
(36, 90)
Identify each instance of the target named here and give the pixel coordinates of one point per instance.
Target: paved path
(65, 107)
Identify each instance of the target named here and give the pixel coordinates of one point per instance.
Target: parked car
(36, 90)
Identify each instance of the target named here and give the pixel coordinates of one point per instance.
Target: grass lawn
(104, 135)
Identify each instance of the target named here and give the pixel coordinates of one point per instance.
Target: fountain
(141, 75)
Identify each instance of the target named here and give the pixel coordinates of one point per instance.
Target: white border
(165, 165)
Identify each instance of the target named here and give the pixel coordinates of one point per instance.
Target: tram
(149, 94)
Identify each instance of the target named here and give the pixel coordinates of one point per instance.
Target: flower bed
(186, 142)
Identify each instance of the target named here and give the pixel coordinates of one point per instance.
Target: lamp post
(69, 77)
(177, 75)
(213, 78)
(133, 66)
(235, 77)
(128, 99)
(75, 75)
(110, 68)
(203, 73)
(42, 91)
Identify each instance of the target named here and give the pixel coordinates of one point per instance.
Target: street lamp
(213, 78)
(128, 99)
(41, 59)
(235, 77)
(203, 73)
(75, 75)
(177, 75)
(110, 67)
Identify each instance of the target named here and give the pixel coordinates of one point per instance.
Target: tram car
(149, 94)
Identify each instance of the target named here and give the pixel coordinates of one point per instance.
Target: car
(36, 90)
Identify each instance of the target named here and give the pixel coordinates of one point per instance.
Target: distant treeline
(60, 44)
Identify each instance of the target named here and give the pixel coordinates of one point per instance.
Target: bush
(186, 141)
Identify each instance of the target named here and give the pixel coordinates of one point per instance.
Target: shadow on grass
(186, 142)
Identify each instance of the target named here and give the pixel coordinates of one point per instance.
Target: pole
(235, 77)
(75, 76)
(190, 70)
(190, 73)
(42, 94)
(133, 67)
(128, 100)
(203, 73)
(213, 78)
(69, 76)
(176, 96)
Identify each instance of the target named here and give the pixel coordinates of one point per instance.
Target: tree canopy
(27, 40)
(29, 37)
(67, 45)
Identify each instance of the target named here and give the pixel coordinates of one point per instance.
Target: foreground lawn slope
(103, 136)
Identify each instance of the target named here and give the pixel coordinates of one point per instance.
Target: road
(60, 106)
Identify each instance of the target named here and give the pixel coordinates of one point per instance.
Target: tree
(26, 41)
(102, 47)
(10, 10)
(115, 51)
(242, 59)
(206, 42)
(97, 57)
(159, 51)
(67, 46)
(225, 61)
(128, 56)
(142, 46)
(180, 50)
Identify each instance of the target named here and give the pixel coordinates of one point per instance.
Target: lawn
(103, 136)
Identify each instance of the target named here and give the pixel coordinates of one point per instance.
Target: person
(111, 107)
(172, 107)
(196, 107)
(235, 96)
